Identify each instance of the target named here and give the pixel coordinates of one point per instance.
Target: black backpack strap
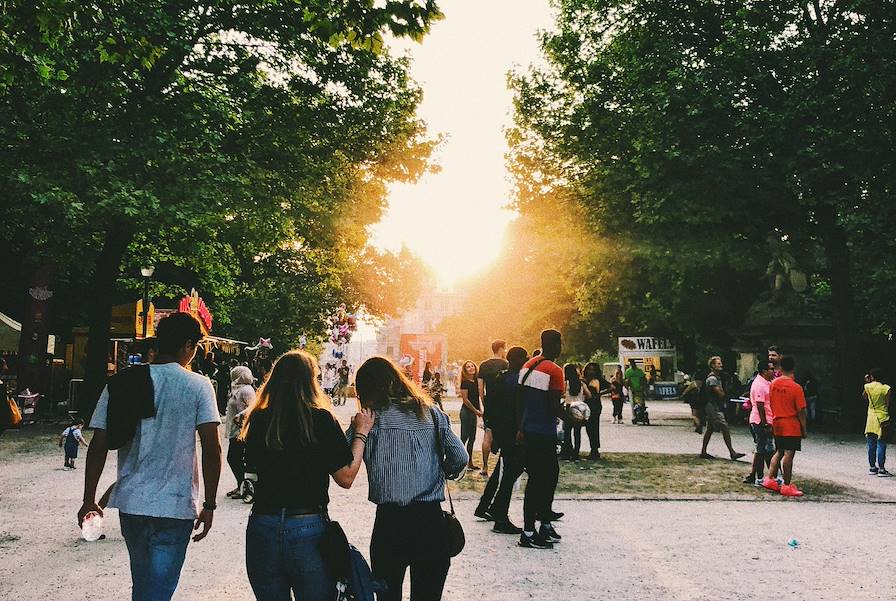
(531, 369)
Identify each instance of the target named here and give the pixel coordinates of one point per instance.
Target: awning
(11, 331)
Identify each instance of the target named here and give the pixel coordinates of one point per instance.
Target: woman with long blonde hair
(296, 445)
(410, 452)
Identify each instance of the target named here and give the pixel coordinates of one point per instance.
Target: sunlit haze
(455, 219)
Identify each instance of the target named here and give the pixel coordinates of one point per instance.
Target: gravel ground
(676, 550)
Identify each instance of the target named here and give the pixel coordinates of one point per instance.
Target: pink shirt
(759, 394)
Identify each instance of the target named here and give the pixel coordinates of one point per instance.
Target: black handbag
(454, 532)
(335, 550)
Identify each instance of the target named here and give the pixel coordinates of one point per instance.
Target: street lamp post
(146, 272)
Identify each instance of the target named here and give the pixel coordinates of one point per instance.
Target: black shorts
(789, 443)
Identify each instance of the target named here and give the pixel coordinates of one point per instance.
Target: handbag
(335, 550)
(15, 414)
(454, 531)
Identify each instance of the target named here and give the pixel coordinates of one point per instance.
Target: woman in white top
(575, 391)
(241, 396)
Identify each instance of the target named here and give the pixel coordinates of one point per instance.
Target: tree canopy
(244, 145)
(697, 142)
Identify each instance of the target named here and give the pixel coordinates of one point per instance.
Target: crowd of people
(284, 429)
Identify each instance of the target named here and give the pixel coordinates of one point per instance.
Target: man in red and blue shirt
(542, 388)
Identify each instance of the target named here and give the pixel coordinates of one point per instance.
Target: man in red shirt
(788, 405)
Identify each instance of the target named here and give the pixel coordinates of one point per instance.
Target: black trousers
(410, 537)
(592, 428)
(572, 440)
(617, 407)
(499, 488)
(544, 472)
(235, 459)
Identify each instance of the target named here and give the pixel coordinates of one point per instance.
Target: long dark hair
(571, 375)
(380, 383)
(290, 394)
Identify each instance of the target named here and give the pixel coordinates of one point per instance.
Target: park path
(620, 550)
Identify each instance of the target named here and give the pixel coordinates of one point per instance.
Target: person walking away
(878, 424)
(574, 391)
(617, 395)
(714, 394)
(241, 397)
(343, 373)
(597, 386)
(788, 405)
(693, 396)
(296, 446)
(542, 386)
(489, 370)
(427, 374)
(761, 418)
(410, 452)
(71, 439)
(151, 414)
(504, 400)
(470, 411)
(634, 379)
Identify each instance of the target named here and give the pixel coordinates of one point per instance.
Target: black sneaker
(749, 479)
(554, 516)
(506, 527)
(536, 541)
(549, 534)
(484, 514)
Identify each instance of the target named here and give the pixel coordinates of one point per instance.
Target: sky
(455, 219)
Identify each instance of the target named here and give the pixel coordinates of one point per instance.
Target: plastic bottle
(92, 527)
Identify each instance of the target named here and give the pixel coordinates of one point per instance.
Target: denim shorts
(762, 436)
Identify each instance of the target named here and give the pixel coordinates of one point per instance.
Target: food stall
(652, 351)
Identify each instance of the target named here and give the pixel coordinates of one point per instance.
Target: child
(436, 389)
(72, 438)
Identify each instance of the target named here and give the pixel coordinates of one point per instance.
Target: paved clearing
(620, 550)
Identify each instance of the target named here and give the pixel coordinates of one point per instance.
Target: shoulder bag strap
(531, 369)
(441, 454)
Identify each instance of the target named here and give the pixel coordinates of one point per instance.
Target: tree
(698, 130)
(210, 134)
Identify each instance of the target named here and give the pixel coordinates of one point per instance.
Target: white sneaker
(882, 473)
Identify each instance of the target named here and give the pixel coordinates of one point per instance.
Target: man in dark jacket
(503, 418)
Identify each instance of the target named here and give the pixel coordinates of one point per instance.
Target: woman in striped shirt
(406, 469)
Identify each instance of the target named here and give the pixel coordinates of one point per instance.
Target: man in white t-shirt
(157, 489)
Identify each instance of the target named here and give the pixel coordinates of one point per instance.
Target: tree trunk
(847, 384)
(102, 289)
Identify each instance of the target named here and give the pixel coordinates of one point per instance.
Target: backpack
(359, 585)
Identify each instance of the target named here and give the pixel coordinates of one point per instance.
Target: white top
(240, 397)
(158, 471)
(570, 398)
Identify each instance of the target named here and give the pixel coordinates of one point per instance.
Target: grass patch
(36, 438)
(660, 475)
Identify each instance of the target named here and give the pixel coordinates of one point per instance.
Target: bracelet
(209, 505)
(361, 437)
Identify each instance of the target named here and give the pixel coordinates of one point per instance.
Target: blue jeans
(876, 449)
(157, 547)
(283, 555)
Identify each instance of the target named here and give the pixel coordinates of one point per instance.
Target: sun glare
(454, 219)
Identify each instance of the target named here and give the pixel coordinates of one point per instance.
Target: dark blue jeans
(877, 450)
(283, 555)
(157, 548)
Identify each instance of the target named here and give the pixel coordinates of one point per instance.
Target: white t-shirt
(158, 471)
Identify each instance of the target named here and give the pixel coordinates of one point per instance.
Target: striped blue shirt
(402, 459)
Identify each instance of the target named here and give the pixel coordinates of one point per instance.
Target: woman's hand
(362, 422)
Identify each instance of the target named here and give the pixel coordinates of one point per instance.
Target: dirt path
(676, 550)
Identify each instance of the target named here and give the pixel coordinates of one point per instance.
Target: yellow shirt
(877, 407)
